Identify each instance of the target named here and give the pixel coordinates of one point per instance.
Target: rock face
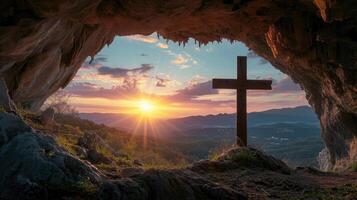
(89, 144)
(32, 163)
(33, 166)
(43, 43)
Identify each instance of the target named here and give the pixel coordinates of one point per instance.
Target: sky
(174, 79)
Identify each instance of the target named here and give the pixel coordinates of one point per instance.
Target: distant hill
(301, 114)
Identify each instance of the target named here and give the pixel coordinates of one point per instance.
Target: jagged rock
(88, 141)
(33, 166)
(130, 171)
(95, 157)
(160, 184)
(48, 116)
(5, 100)
(11, 125)
(80, 151)
(29, 161)
(43, 43)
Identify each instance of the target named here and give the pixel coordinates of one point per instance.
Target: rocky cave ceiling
(43, 43)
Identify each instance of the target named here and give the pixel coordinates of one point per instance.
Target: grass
(65, 142)
(245, 157)
(216, 153)
(68, 129)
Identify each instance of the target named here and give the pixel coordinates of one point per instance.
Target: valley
(290, 134)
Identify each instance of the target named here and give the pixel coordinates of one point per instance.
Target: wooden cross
(241, 84)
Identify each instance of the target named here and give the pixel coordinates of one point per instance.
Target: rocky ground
(34, 166)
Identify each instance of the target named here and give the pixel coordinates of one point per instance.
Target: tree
(59, 101)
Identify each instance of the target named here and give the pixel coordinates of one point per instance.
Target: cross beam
(241, 84)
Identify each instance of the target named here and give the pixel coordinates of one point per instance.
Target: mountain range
(301, 114)
(291, 134)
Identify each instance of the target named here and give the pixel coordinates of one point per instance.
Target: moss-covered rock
(249, 157)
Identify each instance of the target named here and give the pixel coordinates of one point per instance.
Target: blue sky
(213, 60)
(137, 66)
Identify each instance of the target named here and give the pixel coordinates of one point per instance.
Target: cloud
(122, 72)
(143, 54)
(194, 90)
(286, 85)
(180, 60)
(162, 45)
(197, 79)
(162, 81)
(90, 90)
(183, 60)
(94, 62)
(142, 38)
(198, 94)
(148, 39)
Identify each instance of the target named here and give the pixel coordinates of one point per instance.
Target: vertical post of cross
(241, 84)
(242, 101)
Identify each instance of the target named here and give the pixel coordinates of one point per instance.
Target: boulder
(173, 185)
(241, 157)
(32, 164)
(252, 158)
(97, 158)
(88, 140)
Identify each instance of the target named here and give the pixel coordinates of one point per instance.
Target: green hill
(109, 149)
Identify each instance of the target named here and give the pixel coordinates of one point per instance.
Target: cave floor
(302, 183)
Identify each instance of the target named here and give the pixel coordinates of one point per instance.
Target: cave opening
(46, 154)
(43, 45)
(149, 87)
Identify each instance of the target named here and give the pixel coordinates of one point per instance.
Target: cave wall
(43, 43)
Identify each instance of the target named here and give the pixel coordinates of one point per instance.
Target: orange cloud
(142, 38)
(162, 45)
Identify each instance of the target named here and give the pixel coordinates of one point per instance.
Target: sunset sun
(146, 106)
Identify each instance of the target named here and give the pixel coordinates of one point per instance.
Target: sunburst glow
(146, 106)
